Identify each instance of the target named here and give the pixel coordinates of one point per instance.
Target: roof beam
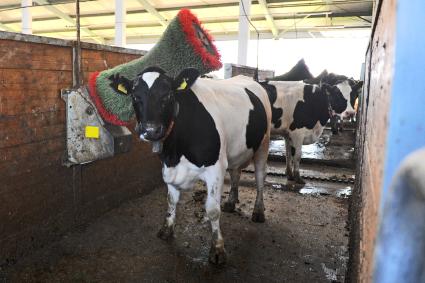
(6, 28)
(293, 27)
(151, 9)
(70, 20)
(269, 18)
(233, 35)
(366, 13)
(234, 21)
(215, 21)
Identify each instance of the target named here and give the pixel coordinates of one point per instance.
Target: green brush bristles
(173, 53)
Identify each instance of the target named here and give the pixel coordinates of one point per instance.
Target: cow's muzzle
(150, 131)
(349, 114)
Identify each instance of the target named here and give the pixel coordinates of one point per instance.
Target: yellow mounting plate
(92, 132)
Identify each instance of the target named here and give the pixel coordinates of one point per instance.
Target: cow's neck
(194, 135)
(170, 152)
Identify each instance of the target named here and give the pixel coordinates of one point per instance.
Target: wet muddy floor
(304, 238)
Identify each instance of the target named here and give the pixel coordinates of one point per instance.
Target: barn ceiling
(146, 19)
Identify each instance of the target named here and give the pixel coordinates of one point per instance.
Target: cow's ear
(186, 79)
(358, 85)
(121, 84)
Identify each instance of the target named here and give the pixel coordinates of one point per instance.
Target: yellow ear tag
(122, 88)
(183, 85)
(92, 132)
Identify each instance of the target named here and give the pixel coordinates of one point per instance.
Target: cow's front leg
(167, 230)
(230, 204)
(212, 207)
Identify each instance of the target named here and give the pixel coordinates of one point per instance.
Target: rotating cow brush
(183, 44)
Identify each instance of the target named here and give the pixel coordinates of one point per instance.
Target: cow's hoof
(258, 217)
(217, 256)
(166, 233)
(289, 176)
(300, 181)
(229, 206)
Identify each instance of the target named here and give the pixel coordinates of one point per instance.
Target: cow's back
(241, 111)
(288, 93)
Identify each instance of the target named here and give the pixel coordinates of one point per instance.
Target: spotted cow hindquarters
(257, 122)
(314, 108)
(257, 138)
(276, 111)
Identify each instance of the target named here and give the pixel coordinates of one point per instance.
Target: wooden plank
(16, 106)
(26, 77)
(37, 150)
(32, 120)
(31, 135)
(14, 54)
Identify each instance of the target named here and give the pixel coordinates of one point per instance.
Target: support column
(120, 24)
(243, 36)
(26, 17)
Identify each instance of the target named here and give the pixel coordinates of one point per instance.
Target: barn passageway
(304, 238)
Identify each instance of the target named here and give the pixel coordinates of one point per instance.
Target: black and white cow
(205, 127)
(336, 121)
(301, 72)
(300, 111)
(297, 73)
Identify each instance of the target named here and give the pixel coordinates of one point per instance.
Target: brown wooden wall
(39, 198)
(371, 143)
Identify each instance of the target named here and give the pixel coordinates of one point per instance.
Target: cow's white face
(350, 90)
(345, 89)
(154, 99)
(154, 103)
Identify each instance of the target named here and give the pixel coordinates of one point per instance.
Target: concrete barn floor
(304, 238)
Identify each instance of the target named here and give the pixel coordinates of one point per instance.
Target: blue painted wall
(406, 130)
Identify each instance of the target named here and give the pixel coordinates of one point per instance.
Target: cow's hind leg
(229, 205)
(297, 159)
(167, 230)
(289, 159)
(214, 182)
(260, 163)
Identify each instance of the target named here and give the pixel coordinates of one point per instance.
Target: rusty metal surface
(371, 142)
(40, 198)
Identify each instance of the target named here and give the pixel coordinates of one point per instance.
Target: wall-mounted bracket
(88, 137)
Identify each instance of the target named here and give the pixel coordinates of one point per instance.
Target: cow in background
(202, 127)
(301, 72)
(298, 73)
(336, 121)
(301, 110)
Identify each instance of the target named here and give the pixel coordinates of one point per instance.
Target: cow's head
(154, 99)
(342, 96)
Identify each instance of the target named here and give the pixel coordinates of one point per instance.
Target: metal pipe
(120, 25)
(243, 35)
(77, 50)
(26, 27)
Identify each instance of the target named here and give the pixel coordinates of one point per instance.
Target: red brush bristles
(106, 115)
(187, 19)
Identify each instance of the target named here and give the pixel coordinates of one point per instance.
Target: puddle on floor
(343, 192)
(318, 150)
